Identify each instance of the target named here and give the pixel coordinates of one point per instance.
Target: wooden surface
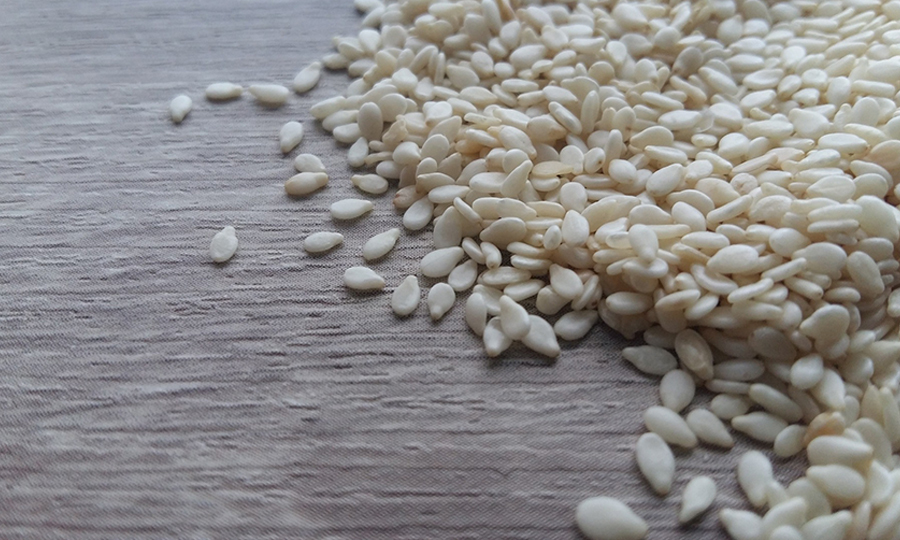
(147, 393)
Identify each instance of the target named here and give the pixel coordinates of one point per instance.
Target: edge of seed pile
(717, 177)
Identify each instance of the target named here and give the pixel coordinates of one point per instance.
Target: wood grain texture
(146, 393)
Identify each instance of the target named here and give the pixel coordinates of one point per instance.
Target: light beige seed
(565, 282)
(694, 353)
(224, 244)
(649, 359)
(441, 298)
(272, 95)
(697, 497)
(676, 390)
(476, 313)
(834, 450)
(308, 163)
(789, 442)
(440, 262)
(362, 278)
(370, 121)
(708, 428)
(463, 276)
(754, 472)
(842, 485)
(350, 208)
(514, 318)
(541, 338)
(575, 324)
(655, 461)
(322, 241)
(305, 183)
(405, 298)
(761, 426)
(223, 91)
(605, 518)
(370, 183)
(495, 341)
(380, 245)
(290, 136)
(419, 214)
(670, 426)
(179, 108)
(307, 78)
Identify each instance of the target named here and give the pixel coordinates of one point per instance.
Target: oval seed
(304, 183)
(789, 441)
(441, 298)
(514, 319)
(350, 208)
(361, 278)
(476, 313)
(440, 262)
(676, 390)
(575, 325)
(708, 428)
(565, 282)
(369, 183)
(671, 427)
(224, 244)
(754, 472)
(694, 353)
(650, 360)
(605, 518)
(179, 108)
(307, 78)
(290, 136)
(308, 163)
(541, 338)
(272, 95)
(322, 241)
(495, 341)
(842, 485)
(741, 524)
(697, 497)
(655, 461)
(380, 245)
(405, 298)
(830, 449)
(761, 426)
(223, 91)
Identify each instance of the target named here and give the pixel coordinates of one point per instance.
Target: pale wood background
(146, 393)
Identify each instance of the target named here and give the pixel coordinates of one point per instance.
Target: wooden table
(148, 393)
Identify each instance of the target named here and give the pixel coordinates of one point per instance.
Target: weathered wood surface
(146, 393)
